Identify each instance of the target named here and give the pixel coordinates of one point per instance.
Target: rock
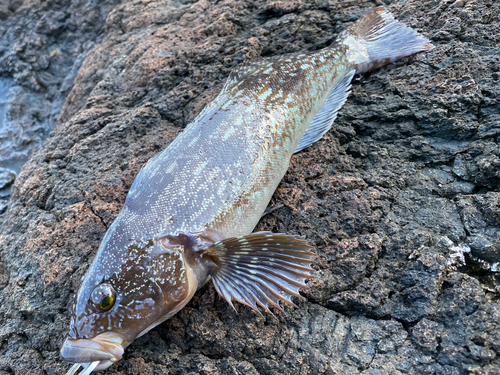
(393, 197)
(43, 45)
(4, 203)
(6, 178)
(484, 235)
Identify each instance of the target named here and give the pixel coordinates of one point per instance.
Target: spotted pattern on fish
(260, 115)
(191, 210)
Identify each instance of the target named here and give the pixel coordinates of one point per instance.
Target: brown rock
(381, 196)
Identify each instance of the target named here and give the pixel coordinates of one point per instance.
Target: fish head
(122, 297)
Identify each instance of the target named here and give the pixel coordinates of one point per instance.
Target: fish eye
(103, 296)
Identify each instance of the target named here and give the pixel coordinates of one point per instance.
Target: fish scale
(233, 184)
(190, 212)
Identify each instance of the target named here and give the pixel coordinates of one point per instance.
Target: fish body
(191, 210)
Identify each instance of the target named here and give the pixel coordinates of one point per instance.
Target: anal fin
(323, 120)
(260, 269)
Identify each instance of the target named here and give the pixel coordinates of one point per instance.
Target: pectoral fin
(260, 269)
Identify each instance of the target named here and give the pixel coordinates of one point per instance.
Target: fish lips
(106, 348)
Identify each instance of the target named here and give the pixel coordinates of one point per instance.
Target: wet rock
(399, 198)
(4, 203)
(6, 178)
(42, 46)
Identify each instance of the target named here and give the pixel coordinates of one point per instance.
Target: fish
(190, 212)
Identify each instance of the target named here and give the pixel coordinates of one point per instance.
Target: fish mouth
(105, 349)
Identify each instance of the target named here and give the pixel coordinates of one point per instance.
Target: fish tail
(377, 39)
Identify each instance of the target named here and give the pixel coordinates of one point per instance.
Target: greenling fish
(190, 212)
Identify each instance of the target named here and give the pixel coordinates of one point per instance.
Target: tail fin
(377, 39)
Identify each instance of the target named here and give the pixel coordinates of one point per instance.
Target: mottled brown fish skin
(191, 209)
(211, 191)
(218, 176)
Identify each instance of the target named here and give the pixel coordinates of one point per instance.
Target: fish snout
(106, 348)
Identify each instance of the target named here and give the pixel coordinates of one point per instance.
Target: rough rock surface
(42, 46)
(401, 198)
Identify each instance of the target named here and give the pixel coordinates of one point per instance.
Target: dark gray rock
(42, 44)
(6, 178)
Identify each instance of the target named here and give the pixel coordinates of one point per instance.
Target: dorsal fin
(327, 114)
